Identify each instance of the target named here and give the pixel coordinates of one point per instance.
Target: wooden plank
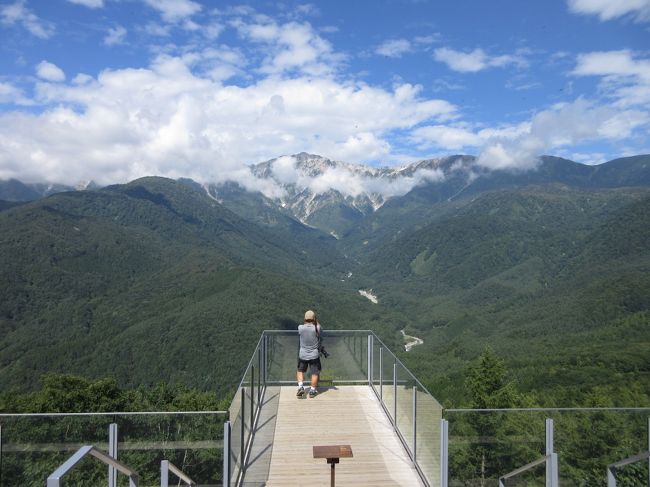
(340, 415)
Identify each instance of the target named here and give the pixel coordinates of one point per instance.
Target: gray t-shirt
(308, 341)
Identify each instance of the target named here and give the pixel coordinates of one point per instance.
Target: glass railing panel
(236, 420)
(388, 393)
(376, 362)
(429, 414)
(486, 445)
(33, 447)
(194, 443)
(405, 417)
(347, 356)
(282, 356)
(533, 477)
(587, 441)
(346, 360)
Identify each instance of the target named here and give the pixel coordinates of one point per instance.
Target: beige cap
(310, 316)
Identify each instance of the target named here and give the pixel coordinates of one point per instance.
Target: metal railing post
(252, 398)
(648, 450)
(444, 452)
(242, 444)
(552, 474)
(226, 454)
(259, 376)
(265, 357)
(112, 452)
(395, 393)
(370, 360)
(164, 473)
(381, 374)
(0, 454)
(415, 424)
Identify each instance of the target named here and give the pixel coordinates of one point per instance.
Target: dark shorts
(314, 366)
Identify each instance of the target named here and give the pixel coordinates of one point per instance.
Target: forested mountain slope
(161, 280)
(151, 281)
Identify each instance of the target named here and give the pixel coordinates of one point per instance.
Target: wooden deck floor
(282, 450)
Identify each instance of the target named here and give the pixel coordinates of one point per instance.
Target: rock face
(334, 195)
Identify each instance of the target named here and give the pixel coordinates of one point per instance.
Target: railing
(611, 469)
(483, 444)
(54, 480)
(357, 357)
(165, 467)
(32, 446)
(414, 412)
(549, 460)
(467, 447)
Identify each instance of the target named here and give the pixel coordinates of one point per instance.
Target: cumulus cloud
(89, 3)
(608, 9)
(349, 180)
(394, 48)
(174, 10)
(10, 94)
(560, 126)
(168, 120)
(49, 72)
(474, 61)
(292, 47)
(626, 78)
(116, 35)
(17, 13)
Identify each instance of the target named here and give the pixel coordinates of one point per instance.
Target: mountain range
(173, 280)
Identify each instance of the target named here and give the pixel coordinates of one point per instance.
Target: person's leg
(315, 375)
(300, 376)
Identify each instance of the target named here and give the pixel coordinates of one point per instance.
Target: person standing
(309, 353)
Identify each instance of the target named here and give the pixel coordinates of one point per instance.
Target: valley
(171, 280)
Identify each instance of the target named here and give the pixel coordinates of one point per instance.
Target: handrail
(611, 469)
(528, 466)
(542, 410)
(165, 467)
(54, 480)
(403, 366)
(108, 413)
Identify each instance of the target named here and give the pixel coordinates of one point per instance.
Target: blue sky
(111, 90)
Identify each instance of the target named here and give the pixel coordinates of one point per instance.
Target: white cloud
(474, 61)
(561, 126)
(174, 10)
(116, 35)
(394, 48)
(430, 39)
(625, 78)
(611, 9)
(166, 120)
(346, 181)
(615, 63)
(89, 3)
(11, 94)
(291, 47)
(49, 72)
(17, 13)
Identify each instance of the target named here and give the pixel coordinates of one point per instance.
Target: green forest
(527, 294)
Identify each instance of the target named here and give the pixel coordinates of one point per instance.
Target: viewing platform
(393, 430)
(367, 399)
